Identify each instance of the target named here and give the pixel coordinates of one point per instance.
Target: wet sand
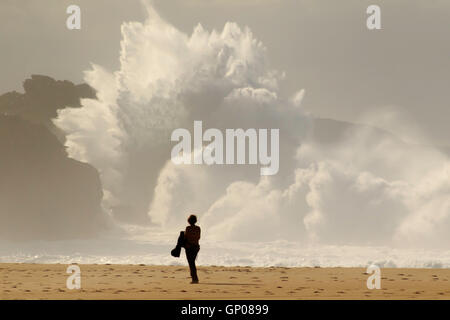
(48, 281)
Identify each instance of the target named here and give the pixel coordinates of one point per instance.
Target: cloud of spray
(166, 81)
(365, 188)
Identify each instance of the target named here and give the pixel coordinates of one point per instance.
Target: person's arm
(199, 232)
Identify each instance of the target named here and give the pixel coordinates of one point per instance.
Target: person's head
(192, 219)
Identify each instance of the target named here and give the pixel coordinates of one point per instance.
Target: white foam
(263, 254)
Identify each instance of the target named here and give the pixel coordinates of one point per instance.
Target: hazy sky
(323, 45)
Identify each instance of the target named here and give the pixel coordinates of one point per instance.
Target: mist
(365, 188)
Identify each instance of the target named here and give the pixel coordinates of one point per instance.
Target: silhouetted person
(191, 237)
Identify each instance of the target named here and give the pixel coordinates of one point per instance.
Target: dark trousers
(191, 255)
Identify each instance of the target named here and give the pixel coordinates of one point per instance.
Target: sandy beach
(48, 281)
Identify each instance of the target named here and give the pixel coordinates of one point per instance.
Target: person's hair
(192, 219)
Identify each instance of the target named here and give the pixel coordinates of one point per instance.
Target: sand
(48, 281)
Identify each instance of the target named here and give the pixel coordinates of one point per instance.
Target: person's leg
(194, 267)
(191, 255)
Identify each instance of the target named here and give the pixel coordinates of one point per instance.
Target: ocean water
(262, 254)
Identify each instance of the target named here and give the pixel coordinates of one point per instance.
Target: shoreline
(153, 282)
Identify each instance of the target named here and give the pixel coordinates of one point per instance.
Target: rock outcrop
(43, 193)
